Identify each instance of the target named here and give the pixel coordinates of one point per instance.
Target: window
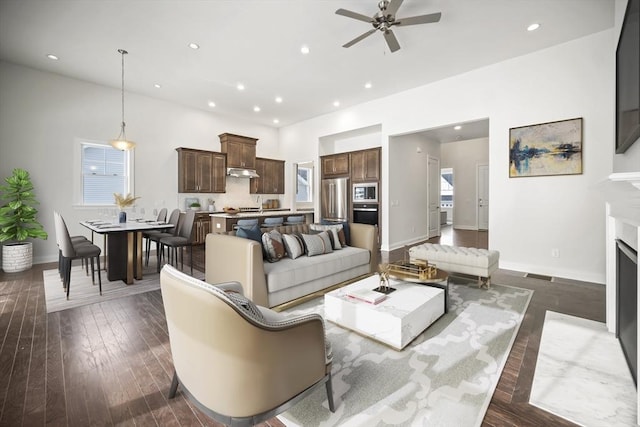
(446, 188)
(304, 183)
(105, 171)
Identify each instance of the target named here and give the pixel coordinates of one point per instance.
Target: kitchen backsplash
(237, 195)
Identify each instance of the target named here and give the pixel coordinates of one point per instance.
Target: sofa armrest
(365, 236)
(231, 258)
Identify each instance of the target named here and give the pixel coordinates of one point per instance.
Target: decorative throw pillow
(334, 230)
(294, 245)
(317, 244)
(345, 230)
(273, 245)
(253, 232)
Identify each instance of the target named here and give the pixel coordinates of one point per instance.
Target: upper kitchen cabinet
(271, 180)
(335, 164)
(365, 165)
(240, 150)
(201, 171)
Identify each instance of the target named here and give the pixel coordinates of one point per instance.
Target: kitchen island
(225, 222)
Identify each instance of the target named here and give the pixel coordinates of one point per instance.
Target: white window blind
(305, 184)
(104, 171)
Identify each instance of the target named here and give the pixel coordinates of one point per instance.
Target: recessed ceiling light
(304, 49)
(194, 46)
(240, 86)
(457, 127)
(276, 121)
(278, 99)
(256, 109)
(336, 103)
(157, 85)
(367, 85)
(533, 27)
(52, 57)
(211, 104)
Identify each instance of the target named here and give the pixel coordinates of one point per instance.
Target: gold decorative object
(420, 270)
(384, 280)
(124, 202)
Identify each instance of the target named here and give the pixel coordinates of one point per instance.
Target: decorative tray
(419, 271)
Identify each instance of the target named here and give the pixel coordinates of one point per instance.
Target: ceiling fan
(384, 19)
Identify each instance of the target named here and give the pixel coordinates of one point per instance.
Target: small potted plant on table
(123, 202)
(18, 222)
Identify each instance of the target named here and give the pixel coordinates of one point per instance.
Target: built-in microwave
(365, 192)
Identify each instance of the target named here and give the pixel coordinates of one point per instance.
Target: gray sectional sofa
(233, 258)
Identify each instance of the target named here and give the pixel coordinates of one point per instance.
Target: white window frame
(78, 181)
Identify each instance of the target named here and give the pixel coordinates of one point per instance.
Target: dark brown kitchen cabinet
(271, 180)
(201, 227)
(335, 164)
(200, 171)
(240, 150)
(365, 165)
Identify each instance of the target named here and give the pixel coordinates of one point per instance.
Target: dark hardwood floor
(110, 363)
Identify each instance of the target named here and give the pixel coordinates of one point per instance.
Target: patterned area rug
(445, 377)
(84, 292)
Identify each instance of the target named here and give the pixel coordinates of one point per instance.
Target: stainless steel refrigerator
(334, 201)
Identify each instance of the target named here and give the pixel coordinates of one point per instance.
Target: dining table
(124, 245)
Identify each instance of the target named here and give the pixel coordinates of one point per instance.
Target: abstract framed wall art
(553, 148)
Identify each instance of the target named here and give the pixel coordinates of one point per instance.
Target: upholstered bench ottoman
(453, 259)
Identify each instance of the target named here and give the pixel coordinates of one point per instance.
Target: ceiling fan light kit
(384, 19)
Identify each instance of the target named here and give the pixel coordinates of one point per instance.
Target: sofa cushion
(252, 232)
(273, 246)
(336, 241)
(292, 272)
(294, 245)
(317, 244)
(345, 229)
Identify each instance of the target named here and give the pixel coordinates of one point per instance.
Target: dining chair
(84, 251)
(179, 241)
(162, 217)
(75, 240)
(174, 219)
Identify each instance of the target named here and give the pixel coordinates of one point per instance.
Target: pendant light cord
(123, 53)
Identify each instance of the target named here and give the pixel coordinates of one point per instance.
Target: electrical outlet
(218, 225)
(555, 252)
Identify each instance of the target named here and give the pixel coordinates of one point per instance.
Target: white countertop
(264, 213)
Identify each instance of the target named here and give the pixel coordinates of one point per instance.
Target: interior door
(434, 196)
(483, 196)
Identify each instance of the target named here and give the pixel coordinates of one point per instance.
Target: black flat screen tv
(628, 79)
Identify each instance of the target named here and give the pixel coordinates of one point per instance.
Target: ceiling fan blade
(360, 37)
(422, 19)
(392, 41)
(393, 7)
(354, 15)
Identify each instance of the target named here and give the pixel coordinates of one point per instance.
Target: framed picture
(553, 148)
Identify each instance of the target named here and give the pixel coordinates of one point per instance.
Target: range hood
(242, 173)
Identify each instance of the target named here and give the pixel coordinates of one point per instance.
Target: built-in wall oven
(365, 213)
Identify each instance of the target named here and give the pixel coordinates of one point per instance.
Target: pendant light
(121, 142)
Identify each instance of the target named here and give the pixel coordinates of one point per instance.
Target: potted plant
(18, 222)
(123, 202)
(195, 206)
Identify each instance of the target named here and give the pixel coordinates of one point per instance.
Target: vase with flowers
(123, 202)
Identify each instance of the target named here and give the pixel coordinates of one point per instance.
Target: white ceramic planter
(17, 257)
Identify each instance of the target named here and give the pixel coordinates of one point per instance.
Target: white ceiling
(258, 43)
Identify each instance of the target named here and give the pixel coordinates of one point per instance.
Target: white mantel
(623, 222)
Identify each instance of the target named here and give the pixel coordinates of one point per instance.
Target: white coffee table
(396, 321)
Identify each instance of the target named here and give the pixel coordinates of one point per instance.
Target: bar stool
(295, 220)
(271, 222)
(247, 223)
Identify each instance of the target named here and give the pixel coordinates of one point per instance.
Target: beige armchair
(239, 363)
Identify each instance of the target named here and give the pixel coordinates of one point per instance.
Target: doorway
(434, 196)
(482, 173)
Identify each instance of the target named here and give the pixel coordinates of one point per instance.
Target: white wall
(528, 216)
(408, 210)
(42, 115)
(464, 157)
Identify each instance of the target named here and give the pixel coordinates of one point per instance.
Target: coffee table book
(366, 295)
